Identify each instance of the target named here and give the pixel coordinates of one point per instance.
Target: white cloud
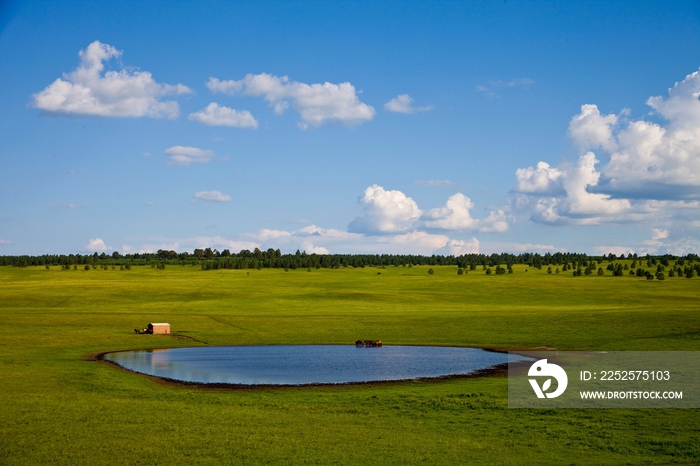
(214, 196)
(274, 235)
(683, 246)
(415, 242)
(577, 204)
(316, 103)
(5, 241)
(579, 201)
(403, 103)
(543, 179)
(591, 130)
(650, 160)
(435, 183)
(385, 212)
(455, 216)
(314, 239)
(309, 248)
(657, 234)
(652, 171)
(87, 91)
(455, 247)
(216, 115)
(310, 238)
(96, 245)
(185, 155)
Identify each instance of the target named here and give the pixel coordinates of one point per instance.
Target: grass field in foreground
(57, 408)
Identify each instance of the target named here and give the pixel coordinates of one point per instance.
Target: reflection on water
(306, 364)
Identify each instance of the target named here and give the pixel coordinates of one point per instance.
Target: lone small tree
(431, 271)
(600, 271)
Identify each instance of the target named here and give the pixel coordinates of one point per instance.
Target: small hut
(159, 329)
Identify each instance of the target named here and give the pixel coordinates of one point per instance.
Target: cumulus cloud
(391, 211)
(657, 234)
(89, 91)
(185, 155)
(455, 247)
(96, 245)
(385, 212)
(652, 169)
(213, 196)
(403, 103)
(577, 204)
(650, 160)
(309, 248)
(542, 180)
(316, 103)
(454, 215)
(216, 115)
(591, 130)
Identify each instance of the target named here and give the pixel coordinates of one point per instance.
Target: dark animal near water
(368, 343)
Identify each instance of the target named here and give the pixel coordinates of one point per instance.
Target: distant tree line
(212, 259)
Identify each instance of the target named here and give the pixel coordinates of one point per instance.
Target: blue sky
(350, 127)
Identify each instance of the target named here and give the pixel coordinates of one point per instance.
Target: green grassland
(56, 407)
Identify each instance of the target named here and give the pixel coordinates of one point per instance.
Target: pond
(305, 364)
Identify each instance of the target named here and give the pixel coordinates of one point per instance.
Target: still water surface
(305, 364)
